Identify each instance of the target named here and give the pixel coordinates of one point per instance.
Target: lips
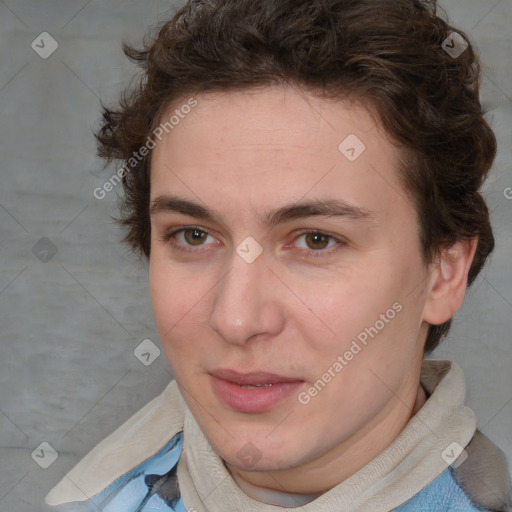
(254, 392)
(251, 379)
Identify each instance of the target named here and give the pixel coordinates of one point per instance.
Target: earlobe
(448, 282)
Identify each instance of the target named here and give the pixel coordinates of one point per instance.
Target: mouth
(254, 379)
(253, 392)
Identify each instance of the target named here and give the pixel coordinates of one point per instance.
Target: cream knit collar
(410, 463)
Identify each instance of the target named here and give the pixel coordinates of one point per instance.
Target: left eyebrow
(287, 213)
(319, 208)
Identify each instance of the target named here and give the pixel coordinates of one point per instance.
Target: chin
(260, 455)
(263, 464)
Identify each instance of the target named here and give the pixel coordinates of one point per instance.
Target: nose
(246, 305)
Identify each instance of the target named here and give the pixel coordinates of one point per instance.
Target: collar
(412, 461)
(138, 439)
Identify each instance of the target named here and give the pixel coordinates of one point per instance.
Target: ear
(448, 282)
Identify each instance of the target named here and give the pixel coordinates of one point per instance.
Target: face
(286, 276)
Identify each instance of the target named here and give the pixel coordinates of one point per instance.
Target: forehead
(263, 147)
(274, 115)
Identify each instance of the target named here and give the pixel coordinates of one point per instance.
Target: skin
(243, 154)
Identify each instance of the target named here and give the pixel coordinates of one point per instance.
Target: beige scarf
(410, 463)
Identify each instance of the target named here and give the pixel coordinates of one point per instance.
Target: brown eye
(316, 241)
(191, 239)
(194, 236)
(317, 244)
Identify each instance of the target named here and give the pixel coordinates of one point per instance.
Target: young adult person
(304, 179)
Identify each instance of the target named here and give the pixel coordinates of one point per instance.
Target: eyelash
(310, 253)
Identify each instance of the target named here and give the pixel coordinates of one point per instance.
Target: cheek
(172, 297)
(164, 297)
(335, 311)
(181, 302)
(176, 291)
(368, 313)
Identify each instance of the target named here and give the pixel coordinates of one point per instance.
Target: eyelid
(169, 234)
(311, 253)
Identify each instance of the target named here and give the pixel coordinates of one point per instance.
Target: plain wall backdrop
(74, 303)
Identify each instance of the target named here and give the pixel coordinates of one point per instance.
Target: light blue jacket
(153, 487)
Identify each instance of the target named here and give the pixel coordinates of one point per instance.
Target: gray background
(69, 325)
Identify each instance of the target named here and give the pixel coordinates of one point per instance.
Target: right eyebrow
(174, 204)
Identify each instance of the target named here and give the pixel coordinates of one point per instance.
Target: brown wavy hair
(387, 52)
